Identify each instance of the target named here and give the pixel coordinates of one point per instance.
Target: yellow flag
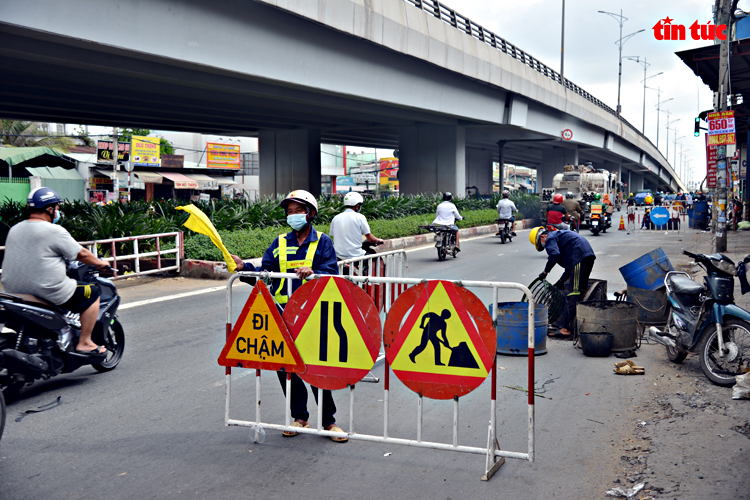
(200, 223)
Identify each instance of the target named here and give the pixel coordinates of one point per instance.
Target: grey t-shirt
(33, 262)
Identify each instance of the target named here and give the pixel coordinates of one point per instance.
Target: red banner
(711, 163)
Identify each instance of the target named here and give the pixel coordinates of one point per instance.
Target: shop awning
(223, 181)
(204, 181)
(14, 156)
(150, 177)
(55, 173)
(181, 181)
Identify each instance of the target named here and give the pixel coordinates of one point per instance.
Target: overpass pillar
(289, 160)
(432, 159)
(479, 170)
(553, 161)
(637, 182)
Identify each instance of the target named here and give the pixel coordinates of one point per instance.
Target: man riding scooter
(575, 213)
(556, 213)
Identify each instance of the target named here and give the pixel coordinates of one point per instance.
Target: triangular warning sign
(439, 343)
(337, 331)
(260, 338)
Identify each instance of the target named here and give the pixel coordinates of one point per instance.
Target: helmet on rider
(303, 197)
(447, 196)
(42, 197)
(535, 237)
(557, 199)
(506, 194)
(597, 196)
(353, 199)
(631, 194)
(569, 195)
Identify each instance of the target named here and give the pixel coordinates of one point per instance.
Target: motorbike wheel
(595, 231)
(673, 353)
(441, 253)
(502, 236)
(2, 414)
(115, 344)
(721, 371)
(12, 389)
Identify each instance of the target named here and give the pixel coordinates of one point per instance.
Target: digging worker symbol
(433, 324)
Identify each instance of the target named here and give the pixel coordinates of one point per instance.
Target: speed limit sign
(567, 134)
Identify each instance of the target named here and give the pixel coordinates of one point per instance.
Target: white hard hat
(300, 196)
(352, 199)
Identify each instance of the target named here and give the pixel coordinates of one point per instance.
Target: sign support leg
(288, 399)
(493, 463)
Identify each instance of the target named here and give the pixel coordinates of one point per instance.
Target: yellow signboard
(144, 151)
(222, 155)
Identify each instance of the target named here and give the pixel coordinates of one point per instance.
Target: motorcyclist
(574, 210)
(35, 263)
(306, 252)
(573, 252)
(631, 213)
(447, 214)
(557, 212)
(505, 210)
(348, 227)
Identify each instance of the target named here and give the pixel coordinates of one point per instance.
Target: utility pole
(658, 110)
(719, 201)
(115, 165)
(666, 157)
(562, 48)
(645, 65)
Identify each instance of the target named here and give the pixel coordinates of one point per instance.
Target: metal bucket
(653, 305)
(512, 328)
(647, 271)
(699, 214)
(617, 318)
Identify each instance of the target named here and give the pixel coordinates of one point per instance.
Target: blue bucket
(699, 216)
(512, 328)
(647, 272)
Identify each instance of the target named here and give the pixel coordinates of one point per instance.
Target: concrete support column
(432, 159)
(501, 164)
(570, 156)
(479, 170)
(289, 160)
(637, 182)
(553, 161)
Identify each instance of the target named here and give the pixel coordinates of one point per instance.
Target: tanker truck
(584, 182)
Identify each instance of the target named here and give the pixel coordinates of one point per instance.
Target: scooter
(704, 320)
(445, 240)
(505, 231)
(596, 224)
(39, 338)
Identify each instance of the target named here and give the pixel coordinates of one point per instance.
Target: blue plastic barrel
(512, 328)
(648, 271)
(700, 214)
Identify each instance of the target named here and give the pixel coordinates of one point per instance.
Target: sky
(591, 57)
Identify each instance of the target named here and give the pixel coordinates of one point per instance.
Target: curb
(205, 269)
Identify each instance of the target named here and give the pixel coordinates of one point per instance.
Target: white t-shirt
(447, 213)
(346, 230)
(505, 208)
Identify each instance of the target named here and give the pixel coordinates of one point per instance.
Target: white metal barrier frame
(178, 250)
(137, 255)
(391, 264)
(495, 457)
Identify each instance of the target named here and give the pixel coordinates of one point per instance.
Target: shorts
(85, 295)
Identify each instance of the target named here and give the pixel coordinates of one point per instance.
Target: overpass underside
(290, 82)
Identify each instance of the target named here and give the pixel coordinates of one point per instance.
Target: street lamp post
(620, 20)
(674, 155)
(658, 110)
(645, 66)
(562, 47)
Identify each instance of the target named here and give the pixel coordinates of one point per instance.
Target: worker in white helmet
(348, 227)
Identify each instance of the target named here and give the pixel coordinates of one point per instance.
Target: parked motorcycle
(705, 320)
(505, 230)
(39, 339)
(445, 240)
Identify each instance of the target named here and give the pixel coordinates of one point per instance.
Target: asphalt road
(153, 428)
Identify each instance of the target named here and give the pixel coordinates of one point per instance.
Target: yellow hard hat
(535, 236)
(631, 194)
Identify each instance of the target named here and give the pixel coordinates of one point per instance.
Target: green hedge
(251, 243)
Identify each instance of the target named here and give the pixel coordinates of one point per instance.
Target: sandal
(294, 433)
(336, 428)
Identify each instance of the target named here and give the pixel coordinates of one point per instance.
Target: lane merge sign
(260, 338)
(439, 340)
(337, 330)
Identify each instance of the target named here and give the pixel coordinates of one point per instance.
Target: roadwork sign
(336, 328)
(260, 338)
(439, 340)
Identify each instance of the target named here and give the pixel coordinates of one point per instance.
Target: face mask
(296, 221)
(57, 217)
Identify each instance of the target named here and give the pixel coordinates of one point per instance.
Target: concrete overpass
(410, 75)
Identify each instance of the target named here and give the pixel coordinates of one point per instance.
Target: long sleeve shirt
(566, 248)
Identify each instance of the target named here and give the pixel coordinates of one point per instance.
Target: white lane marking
(171, 297)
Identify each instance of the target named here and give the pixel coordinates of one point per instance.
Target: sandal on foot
(294, 433)
(336, 428)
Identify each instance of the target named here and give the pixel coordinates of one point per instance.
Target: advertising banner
(721, 129)
(145, 151)
(389, 173)
(222, 155)
(173, 161)
(104, 151)
(711, 163)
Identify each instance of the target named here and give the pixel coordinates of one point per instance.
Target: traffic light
(697, 131)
